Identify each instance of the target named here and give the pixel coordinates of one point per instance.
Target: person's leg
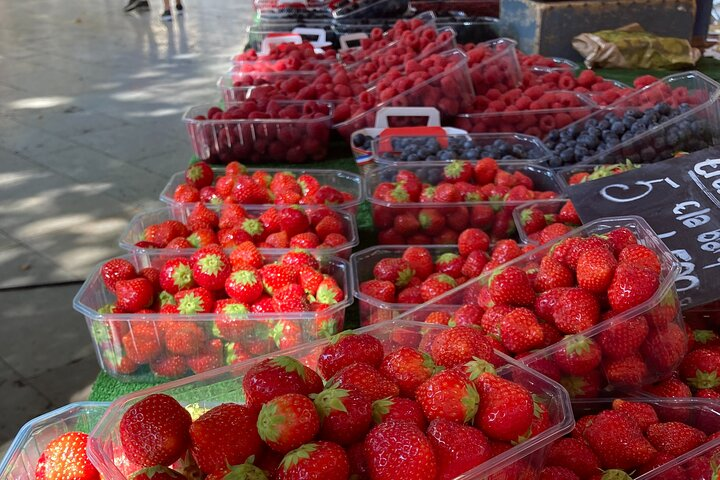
(136, 4)
(166, 15)
(179, 7)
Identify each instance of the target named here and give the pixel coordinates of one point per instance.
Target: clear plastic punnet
(496, 65)
(226, 338)
(23, 454)
(255, 140)
(661, 350)
(550, 207)
(469, 28)
(204, 391)
(134, 232)
(339, 179)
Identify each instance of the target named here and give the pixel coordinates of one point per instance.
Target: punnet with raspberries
(168, 316)
(594, 308)
(369, 404)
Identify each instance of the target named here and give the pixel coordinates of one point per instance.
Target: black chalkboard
(680, 199)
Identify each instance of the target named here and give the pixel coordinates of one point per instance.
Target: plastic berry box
(237, 86)
(133, 233)
(482, 8)
(661, 311)
(350, 10)
(263, 332)
(565, 174)
(470, 28)
(373, 310)
(339, 179)
(700, 413)
(567, 107)
(398, 150)
(281, 65)
(450, 92)
(225, 385)
(547, 207)
(696, 124)
(312, 28)
(498, 68)
(22, 456)
(493, 216)
(291, 140)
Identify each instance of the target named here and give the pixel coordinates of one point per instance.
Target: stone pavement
(90, 106)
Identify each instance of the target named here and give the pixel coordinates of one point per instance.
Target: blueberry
(663, 108)
(554, 161)
(617, 128)
(518, 151)
(604, 124)
(567, 156)
(413, 158)
(553, 136)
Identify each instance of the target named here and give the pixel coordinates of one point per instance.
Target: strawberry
(185, 193)
(432, 221)
(294, 221)
(310, 279)
(595, 270)
(420, 261)
(246, 255)
(247, 192)
(232, 321)
(438, 318)
(176, 274)
(623, 337)
(617, 441)
(246, 471)
(244, 286)
(382, 290)
(701, 368)
(398, 409)
(640, 256)
(155, 431)
(485, 170)
(557, 473)
(143, 343)
(277, 376)
(116, 269)
(202, 237)
(435, 285)
(552, 274)
(532, 220)
(576, 310)
(664, 347)
(458, 448)
(446, 193)
(395, 270)
(407, 368)
(511, 286)
(367, 380)
(394, 449)
(157, 472)
(459, 345)
(184, 338)
(631, 286)
(474, 264)
(307, 240)
(620, 238)
(199, 175)
(450, 264)
(195, 300)
(208, 359)
(202, 217)
(288, 421)
(134, 294)
(224, 435)
(578, 356)
(675, 438)
(506, 409)
(345, 416)
(406, 224)
(670, 388)
(329, 292)
(629, 371)
(299, 258)
(276, 276)
(347, 348)
(317, 460)
(520, 331)
(179, 243)
(568, 214)
(290, 298)
(574, 455)
(169, 366)
(232, 215)
(66, 458)
(448, 395)
(329, 225)
(211, 268)
(467, 315)
(458, 171)
(642, 413)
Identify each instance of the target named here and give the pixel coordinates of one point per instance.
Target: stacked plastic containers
(225, 385)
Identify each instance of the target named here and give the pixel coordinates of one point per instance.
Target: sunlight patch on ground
(38, 102)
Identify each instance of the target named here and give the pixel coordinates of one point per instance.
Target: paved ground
(90, 130)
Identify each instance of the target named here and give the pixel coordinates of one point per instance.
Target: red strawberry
(623, 338)
(246, 470)
(458, 171)
(642, 413)
(474, 264)
(134, 294)
(511, 286)
(520, 331)
(244, 286)
(290, 298)
(618, 441)
(224, 435)
(208, 359)
(574, 455)
(270, 220)
(329, 292)
(420, 261)
(307, 240)
(176, 274)
(595, 270)
(576, 310)
(299, 258)
(276, 276)
(578, 356)
(328, 226)
(435, 285)
(506, 409)
(583, 386)
(66, 458)
(232, 215)
(317, 460)
(155, 431)
(367, 380)
(557, 473)
(467, 315)
(142, 343)
(202, 217)
(446, 193)
(640, 256)
(552, 274)
(294, 221)
(277, 376)
(458, 448)
(631, 286)
(288, 421)
(568, 214)
(379, 289)
(348, 348)
(246, 255)
(199, 175)
(394, 449)
(630, 371)
(116, 269)
(407, 368)
(247, 191)
(195, 300)
(157, 472)
(185, 193)
(664, 347)
(551, 232)
(449, 264)
(432, 221)
(345, 416)
(485, 170)
(448, 395)
(211, 268)
(459, 345)
(202, 237)
(621, 238)
(675, 438)
(532, 220)
(670, 388)
(701, 368)
(171, 366)
(395, 270)
(398, 409)
(184, 338)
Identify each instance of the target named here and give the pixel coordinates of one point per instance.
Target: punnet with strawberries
(433, 202)
(168, 316)
(391, 279)
(538, 223)
(374, 403)
(54, 444)
(576, 174)
(642, 439)
(314, 228)
(594, 308)
(216, 185)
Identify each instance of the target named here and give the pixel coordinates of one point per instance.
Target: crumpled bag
(632, 47)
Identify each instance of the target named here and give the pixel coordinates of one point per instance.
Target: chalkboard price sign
(680, 199)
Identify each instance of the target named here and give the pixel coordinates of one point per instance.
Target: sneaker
(135, 4)
(179, 8)
(166, 16)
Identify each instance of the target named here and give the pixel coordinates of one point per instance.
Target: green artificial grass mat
(107, 388)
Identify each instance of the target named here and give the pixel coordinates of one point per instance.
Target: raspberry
(566, 81)
(547, 123)
(562, 120)
(523, 103)
(644, 81)
(586, 78)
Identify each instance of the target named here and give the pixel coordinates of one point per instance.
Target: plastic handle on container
(351, 37)
(432, 114)
(277, 39)
(386, 136)
(318, 34)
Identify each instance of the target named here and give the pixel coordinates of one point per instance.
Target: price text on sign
(680, 199)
